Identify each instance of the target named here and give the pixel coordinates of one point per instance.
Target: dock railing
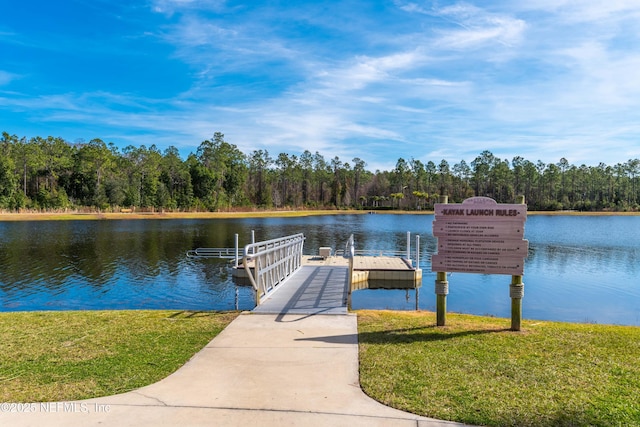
(224, 253)
(228, 253)
(350, 251)
(267, 264)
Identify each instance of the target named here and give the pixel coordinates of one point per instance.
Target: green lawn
(477, 371)
(52, 356)
(474, 370)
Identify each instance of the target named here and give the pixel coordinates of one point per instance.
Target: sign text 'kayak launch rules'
(480, 236)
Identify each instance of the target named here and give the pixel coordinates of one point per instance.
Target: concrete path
(262, 370)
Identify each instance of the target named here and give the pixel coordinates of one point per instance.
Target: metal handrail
(371, 252)
(228, 253)
(349, 251)
(212, 253)
(349, 248)
(273, 261)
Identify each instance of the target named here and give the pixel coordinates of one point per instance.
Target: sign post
(480, 236)
(516, 292)
(442, 287)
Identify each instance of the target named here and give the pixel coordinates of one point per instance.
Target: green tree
(286, 168)
(225, 172)
(337, 181)
(444, 178)
(359, 176)
(307, 186)
(176, 180)
(7, 181)
(481, 167)
(259, 187)
(322, 175)
(92, 162)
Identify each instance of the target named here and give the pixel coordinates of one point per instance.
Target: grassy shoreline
(71, 355)
(474, 370)
(73, 216)
(478, 372)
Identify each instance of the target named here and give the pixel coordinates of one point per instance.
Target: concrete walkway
(262, 370)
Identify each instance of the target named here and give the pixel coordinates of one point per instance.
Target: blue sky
(378, 80)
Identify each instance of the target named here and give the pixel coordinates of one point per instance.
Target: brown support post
(516, 292)
(442, 288)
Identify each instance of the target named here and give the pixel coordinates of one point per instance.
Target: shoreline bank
(72, 216)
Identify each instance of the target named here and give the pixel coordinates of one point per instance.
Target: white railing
(212, 253)
(228, 253)
(372, 252)
(269, 263)
(350, 251)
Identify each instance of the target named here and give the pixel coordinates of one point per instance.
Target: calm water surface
(579, 269)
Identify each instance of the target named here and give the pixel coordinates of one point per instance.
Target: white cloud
(169, 7)
(357, 73)
(7, 77)
(589, 11)
(541, 79)
(471, 26)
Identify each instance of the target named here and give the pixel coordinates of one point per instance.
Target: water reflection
(581, 269)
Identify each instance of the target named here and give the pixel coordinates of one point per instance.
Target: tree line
(53, 174)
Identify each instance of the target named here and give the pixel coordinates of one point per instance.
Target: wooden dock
(394, 271)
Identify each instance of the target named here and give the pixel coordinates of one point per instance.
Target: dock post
(516, 292)
(417, 267)
(237, 250)
(442, 288)
(408, 246)
(350, 280)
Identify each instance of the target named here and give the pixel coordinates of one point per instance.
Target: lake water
(579, 269)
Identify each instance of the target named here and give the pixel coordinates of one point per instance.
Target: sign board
(477, 229)
(478, 264)
(481, 208)
(494, 247)
(480, 236)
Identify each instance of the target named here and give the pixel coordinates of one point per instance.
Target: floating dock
(369, 272)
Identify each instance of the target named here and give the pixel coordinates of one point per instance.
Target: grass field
(474, 370)
(53, 356)
(477, 371)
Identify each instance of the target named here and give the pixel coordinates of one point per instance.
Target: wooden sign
(480, 236)
(478, 264)
(479, 208)
(478, 229)
(495, 247)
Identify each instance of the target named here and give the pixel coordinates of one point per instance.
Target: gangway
(267, 264)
